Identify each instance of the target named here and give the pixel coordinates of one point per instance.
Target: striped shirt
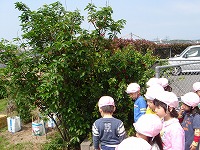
(108, 132)
(140, 107)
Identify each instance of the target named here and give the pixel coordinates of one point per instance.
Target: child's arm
(121, 132)
(180, 116)
(196, 139)
(142, 108)
(95, 137)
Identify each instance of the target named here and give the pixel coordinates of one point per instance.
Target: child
(165, 84)
(150, 96)
(196, 88)
(107, 131)
(134, 143)
(152, 81)
(172, 133)
(140, 104)
(148, 128)
(191, 121)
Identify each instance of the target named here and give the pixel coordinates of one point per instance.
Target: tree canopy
(67, 68)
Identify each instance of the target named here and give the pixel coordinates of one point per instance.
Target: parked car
(190, 55)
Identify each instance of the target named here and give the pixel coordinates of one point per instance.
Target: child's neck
(107, 115)
(167, 117)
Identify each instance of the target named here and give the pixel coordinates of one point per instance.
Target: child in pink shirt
(172, 134)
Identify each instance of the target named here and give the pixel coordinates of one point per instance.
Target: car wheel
(176, 71)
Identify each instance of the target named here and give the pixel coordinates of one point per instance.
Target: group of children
(157, 122)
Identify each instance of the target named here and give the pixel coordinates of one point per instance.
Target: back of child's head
(149, 125)
(165, 99)
(134, 143)
(106, 104)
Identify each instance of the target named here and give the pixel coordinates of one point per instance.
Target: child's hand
(192, 147)
(180, 114)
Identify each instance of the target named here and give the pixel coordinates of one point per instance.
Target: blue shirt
(140, 107)
(190, 123)
(108, 132)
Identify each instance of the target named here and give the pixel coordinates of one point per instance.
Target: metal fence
(180, 74)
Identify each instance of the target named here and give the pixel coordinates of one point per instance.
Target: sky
(145, 19)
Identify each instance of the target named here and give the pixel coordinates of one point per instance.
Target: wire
(131, 34)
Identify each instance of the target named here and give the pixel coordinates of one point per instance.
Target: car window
(194, 52)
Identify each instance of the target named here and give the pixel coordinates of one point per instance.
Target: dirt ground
(25, 136)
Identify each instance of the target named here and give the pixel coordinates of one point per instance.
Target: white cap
(196, 86)
(132, 88)
(168, 98)
(152, 81)
(105, 101)
(149, 125)
(190, 99)
(134, 143)
(152, 91)
(163, 82)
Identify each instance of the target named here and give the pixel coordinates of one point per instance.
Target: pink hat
(132, 88)
(190, 99)
(196, 86)
(152, 91)
(168, 98)
(149, 125)
(163, 82)
(105, 101)
(135, 143)
(152, 81)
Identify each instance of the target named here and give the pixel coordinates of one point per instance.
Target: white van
(189, 55)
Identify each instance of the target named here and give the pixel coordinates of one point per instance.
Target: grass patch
(3, 104)
(21, 146)
(5, 145)
(3, 129)
(56, 143)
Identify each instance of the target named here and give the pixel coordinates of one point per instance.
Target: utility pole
(107, 3)
(131, 36)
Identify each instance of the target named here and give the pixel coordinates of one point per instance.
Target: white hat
(168, 98)
(152, 81)
(149, 125)
(190, 99)
(105, 101)
(196, 86)
(132, 88)
(163, 82)
(152, 91)
(135, 143)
